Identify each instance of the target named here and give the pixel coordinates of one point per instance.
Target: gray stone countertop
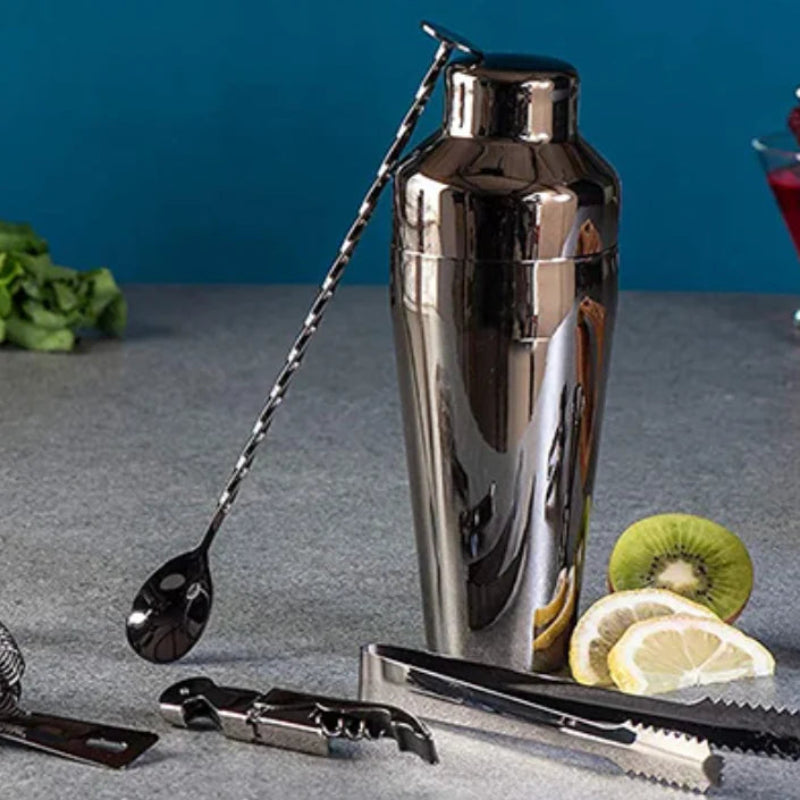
(112, 459)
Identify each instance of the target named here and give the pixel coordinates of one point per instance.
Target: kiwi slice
(689, 555)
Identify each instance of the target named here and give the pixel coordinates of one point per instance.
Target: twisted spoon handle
(295, 356)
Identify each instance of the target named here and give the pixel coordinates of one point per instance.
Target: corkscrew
(292, 720)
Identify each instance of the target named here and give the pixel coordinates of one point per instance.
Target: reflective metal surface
(291, 720)
(475, 697)
(504, 281)
(89, 742)
(765, 731)
(171, 610)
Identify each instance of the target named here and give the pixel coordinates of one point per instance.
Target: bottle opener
(90, 742)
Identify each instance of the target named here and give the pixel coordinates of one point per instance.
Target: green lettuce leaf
(26, 334)
(114, 317)
(44, 304)
(102, 291)
(10, 269)
(42, 268)
(64, 296)
(43, 317)
(5, 302)
(19, 237)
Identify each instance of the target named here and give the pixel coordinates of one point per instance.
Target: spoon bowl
(172, 608)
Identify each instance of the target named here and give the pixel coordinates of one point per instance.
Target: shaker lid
(514, 66)
(527, 97)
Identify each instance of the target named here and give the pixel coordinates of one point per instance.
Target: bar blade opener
(89, 742)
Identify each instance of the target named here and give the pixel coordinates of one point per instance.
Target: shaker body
(503, 292)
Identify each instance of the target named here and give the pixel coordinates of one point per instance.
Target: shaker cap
(506, 64)
(508, 179)
(528, 97)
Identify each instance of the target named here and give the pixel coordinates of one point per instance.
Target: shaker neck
(532, 99)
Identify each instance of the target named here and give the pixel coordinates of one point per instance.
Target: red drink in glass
(785, 184)
(779, 154)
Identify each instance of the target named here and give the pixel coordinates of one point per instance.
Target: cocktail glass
(780, 156)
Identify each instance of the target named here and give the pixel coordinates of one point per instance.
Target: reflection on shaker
(589, 239)
(474, 520)
(553, 623)
(591, 352)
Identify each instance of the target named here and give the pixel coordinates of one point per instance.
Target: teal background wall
(231, 141)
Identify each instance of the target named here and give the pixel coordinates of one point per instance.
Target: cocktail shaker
(503, 290)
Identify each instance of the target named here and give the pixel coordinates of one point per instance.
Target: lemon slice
(659, 655)
(599, 629)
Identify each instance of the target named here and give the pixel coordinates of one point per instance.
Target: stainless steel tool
(172, 608)
(723, 724)
(666, 741)
(90, 742)
(291, 720)
(504, 284)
